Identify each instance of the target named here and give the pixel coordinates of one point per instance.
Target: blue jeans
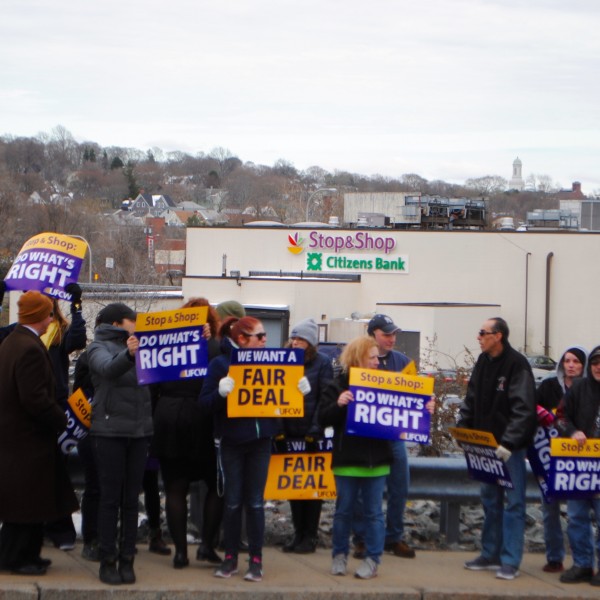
(371, 491)
(245, 467)
(553, 533)
(579, 530)
(502, 537)
(398, 482)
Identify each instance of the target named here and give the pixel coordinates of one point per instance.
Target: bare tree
(487, 185)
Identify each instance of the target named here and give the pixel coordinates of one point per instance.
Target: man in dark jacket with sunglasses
(500, 399)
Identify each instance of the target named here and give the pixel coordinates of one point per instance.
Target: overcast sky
(448, 89)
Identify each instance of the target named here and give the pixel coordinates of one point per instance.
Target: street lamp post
(89, 249)
(319, 191)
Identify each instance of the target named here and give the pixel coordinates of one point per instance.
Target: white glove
(304, 386)
(226, 386)
(503, 453)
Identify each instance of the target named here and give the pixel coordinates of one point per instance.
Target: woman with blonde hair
(360, 465)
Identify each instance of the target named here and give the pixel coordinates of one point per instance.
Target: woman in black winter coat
(319, 372)
(184, 444)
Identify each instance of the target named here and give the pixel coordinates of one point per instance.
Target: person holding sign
(319, 372)
(184, 443)
(360, 465)
(579, 419)
(244, 449)
(548, 396)
(383, 329)
(500, 399)
(35, 483)
(121, 431)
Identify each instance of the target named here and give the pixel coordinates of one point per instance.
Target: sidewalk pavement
(430, 576)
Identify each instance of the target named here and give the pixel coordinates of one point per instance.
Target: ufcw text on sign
(266, 383)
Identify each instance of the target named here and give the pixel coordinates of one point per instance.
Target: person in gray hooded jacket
(121, 430)
(548, 396)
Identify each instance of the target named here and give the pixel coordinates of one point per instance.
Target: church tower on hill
(516, 181)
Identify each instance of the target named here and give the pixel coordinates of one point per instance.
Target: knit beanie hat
(307, 330)
(33, 307)
(115, 313)
(578, 352)
(230, 308)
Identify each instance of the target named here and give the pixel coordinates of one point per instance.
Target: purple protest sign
(171, 345)
(389, 406)
(574, 471)
(47, 263)
(480, 454)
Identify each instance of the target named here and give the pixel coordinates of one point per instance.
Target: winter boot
(157, 544)
(126, 569)
(108, 572)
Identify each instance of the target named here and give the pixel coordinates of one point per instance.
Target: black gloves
(311, 443)
(75, 290)
(2, 290)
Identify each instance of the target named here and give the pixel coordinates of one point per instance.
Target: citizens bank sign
(361, 252)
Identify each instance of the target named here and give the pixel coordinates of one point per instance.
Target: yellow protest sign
(390, 380)
(300, 477)
(266, 383)
(473, 436)
(569, 447)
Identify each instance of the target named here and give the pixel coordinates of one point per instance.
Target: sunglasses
(482, 332)
(259, 336)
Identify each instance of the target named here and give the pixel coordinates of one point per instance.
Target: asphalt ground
(432, 575)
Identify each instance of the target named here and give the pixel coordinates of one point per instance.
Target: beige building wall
(453, 281)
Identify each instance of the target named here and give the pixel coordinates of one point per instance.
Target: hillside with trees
(51, 182)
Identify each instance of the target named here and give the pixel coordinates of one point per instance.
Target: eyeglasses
(261, 335)
(482, 332)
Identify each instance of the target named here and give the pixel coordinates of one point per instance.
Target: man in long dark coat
(34, 485)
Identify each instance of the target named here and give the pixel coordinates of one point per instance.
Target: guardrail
(443, 479)
(447, 481)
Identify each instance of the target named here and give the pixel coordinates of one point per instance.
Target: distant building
(574, 193)
(516, 181)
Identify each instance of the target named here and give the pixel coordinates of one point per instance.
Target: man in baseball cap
(383, 323)
(384, 330)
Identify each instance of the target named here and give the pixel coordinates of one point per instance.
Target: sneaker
(507, 572)
(577, 574)
(360, 550)
(227, 568)
(66, 546)
(553, 566)
(254, 572)
(367, 569)
(338, 566)
(401, 549)
(482, 564)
